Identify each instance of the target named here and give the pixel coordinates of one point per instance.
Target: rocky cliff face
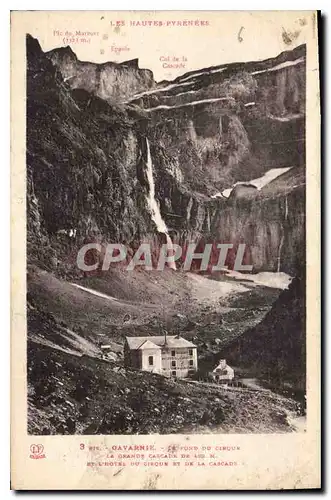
(110, 81)
(276, 347)
(83, 160)
(88, 129)
(231, 122)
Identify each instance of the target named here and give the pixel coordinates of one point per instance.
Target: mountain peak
(63, 52)
(32, 46)
(132, 63)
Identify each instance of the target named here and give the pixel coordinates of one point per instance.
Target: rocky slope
(72, 389)
(276, 347)
(85, 395)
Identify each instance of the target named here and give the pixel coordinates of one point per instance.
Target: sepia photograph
(165, 246)
(166, 183)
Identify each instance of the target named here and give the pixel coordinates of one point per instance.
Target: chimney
(222, 363)
(165, 337)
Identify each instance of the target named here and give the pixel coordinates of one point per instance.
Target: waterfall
(282, 238)
(154, 207)
(220, 128)
(280, 250)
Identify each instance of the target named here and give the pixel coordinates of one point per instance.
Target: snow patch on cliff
(259, 183)
(93, 292)
(283, 65)
(156, 91)
(193, 103)
(217, 70)
(272, 280)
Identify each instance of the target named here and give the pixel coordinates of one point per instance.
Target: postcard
(165, 190)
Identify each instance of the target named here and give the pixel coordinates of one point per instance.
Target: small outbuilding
(223, 373)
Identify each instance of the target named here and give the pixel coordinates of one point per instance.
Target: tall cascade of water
(282, 237)
(154, 207)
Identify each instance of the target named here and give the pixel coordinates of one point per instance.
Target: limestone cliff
(88, 127)
(110, 80)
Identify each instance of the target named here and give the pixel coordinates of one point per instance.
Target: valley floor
(73, 391)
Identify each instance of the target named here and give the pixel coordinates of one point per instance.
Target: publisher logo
(37, 451)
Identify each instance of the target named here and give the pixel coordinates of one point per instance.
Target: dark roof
(158, 341)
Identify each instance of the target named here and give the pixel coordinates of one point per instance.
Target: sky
(220, 37)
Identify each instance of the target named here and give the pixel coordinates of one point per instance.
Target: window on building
(191, 362)
(173, 373)
(150, 360)
(173, 353)
(190, 351)
(173, 363)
